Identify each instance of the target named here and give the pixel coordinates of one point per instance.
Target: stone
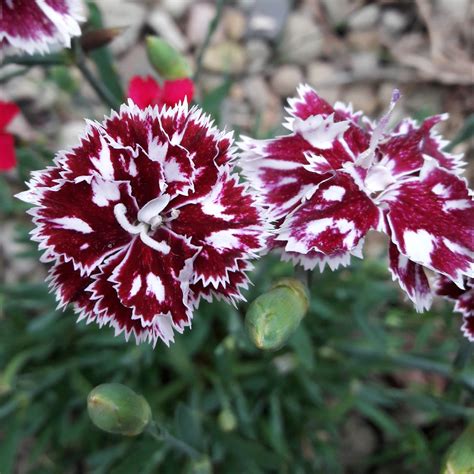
(337, 10)
(225, 57)
(130, 15)
(257, 92)
(301, 41)
(235, 114)
(363, 62)
(69, 134)
(234, 24)
(176, 8)
(268, 18)
(285, 80)
(200, 17)
(258, 55)
(163, 24)
(320, 72)
(364, 40)
(364, 18)
(363, 97)
(394, 21)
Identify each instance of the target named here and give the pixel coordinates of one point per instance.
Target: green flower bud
(115, 408)
(201, 466)
(460, 456)
(227, 420)
(168, 62)
(274, 316)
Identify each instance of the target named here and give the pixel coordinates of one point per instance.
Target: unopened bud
(115, 408)
(227, 420)
(91, 40)
(274, 316)
(460, 456)
(169, 63)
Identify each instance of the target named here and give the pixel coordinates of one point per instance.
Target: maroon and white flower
(143, 218)
(338, 175)
(463, 298)
(34, 26)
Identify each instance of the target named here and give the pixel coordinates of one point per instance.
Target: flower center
(149, 218)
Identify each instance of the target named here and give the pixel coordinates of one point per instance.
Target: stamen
(367, 157)
(120, 212)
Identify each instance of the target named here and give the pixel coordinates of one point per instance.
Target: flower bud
(227, 420)
(115, 408)
(91, 40)
(460, 456)
(274, 316)
(168, 62)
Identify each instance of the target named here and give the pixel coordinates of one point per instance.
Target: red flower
(34, 26)
(145, 91)
(8, 111)
(338, 175)
(143, 218)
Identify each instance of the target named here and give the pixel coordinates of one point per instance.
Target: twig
(101, 90)
(210, 32)
(160, 434)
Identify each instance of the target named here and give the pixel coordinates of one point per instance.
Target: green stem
(210, 32)
(160, 434)
(51, 60)
(415, 362)
(100, 89)
(7, 77)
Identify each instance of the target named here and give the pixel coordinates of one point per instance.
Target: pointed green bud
(115, 408)
(167, 62)
(274, 316)
(460, 456)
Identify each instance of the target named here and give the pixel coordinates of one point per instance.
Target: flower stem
(160, 434)
(210, 32)
(100, 89)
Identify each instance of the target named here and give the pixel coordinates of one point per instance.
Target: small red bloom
(34, 26)
(145, 91)
(144, 218)
(8, 110)
(338, 175)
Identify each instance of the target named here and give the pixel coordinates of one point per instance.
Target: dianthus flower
(145, 91)
(463, 298)
(34, 26)
(338, 175)
(144, 218)
(8, 111)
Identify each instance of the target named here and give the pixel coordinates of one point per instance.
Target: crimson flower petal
(8, 111)
(8, 156)
(83, 234)
(412, 278)
(177, 91)
(144, 91)
(333, 220)
(431, 220)
(34, 26)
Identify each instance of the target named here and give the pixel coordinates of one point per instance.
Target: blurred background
(366, 385)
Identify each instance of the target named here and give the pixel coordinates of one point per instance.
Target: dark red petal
(447, 288)
(178, 90)
(33, 26)
(228, 226)
(156, 284)
(69, 285)
(411, 277)
(280, 170)
(7, 154)
(314, 259)
(8, 110)
(468, 327)
(432, 222)
(144, 91)
(109, 310)
(333, 220)
(77, 220)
